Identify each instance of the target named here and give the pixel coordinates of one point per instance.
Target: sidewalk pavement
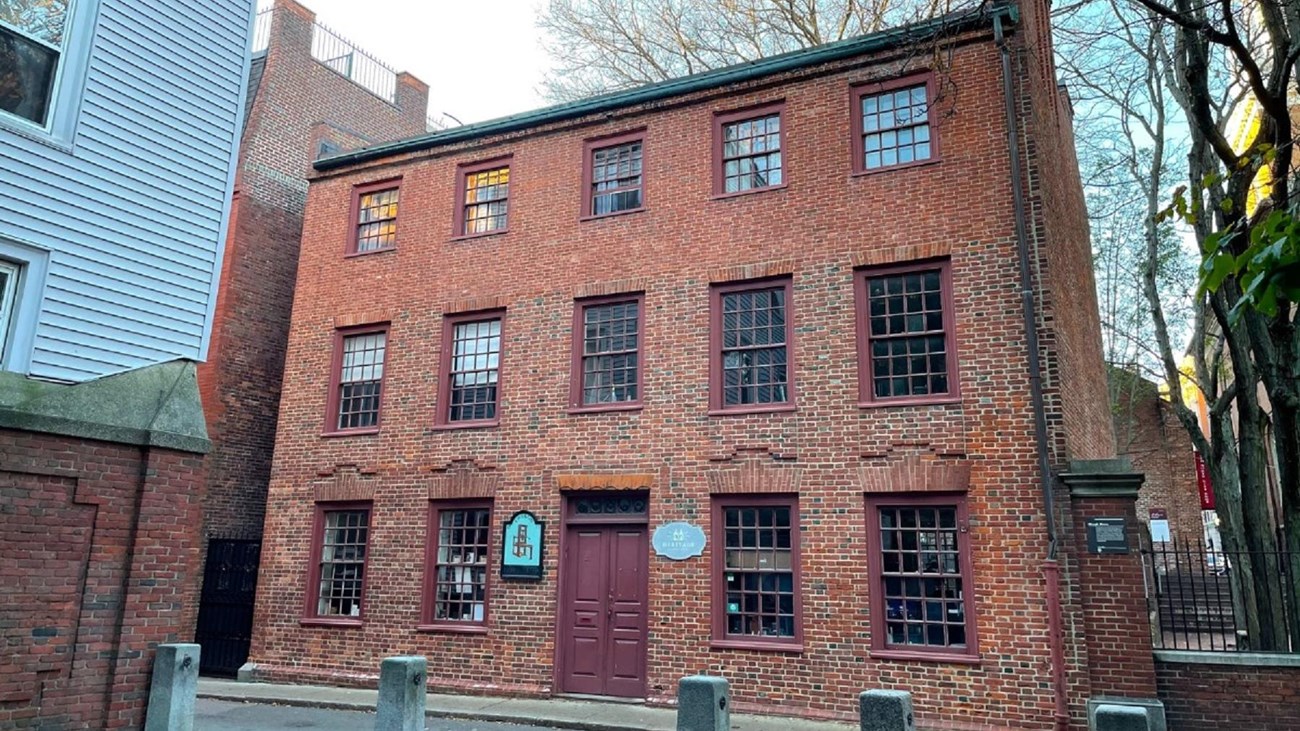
(555, 712)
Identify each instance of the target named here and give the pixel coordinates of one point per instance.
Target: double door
(603, 610)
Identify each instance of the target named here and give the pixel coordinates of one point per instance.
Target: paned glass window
(921, 578)
(758, 570)
(360, 377)
(610, 350)
(895, 127)
(32, 36)
(461, 565)
(616, 178)
(751, 154)
(8, 296)
(755, 368)
(342, 563)
(907, 330)
(377, 220)
(487, 194)
(475, 368)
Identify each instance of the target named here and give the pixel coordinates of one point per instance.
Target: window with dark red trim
(751, 332)
(376, 218)
(483, 198)
(905, 326)
(892, 124)
(459, 540)
(613, 174)
(920, 560)
(747, 151)
(357, 378)
(757, 596)
(607, 352)
(471, 371)
(340, 538)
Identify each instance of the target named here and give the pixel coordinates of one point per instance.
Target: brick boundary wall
(99, 563)
(1208, 697)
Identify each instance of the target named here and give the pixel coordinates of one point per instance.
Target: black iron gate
(225, 623)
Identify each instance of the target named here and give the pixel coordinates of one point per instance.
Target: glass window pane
(43, 20)
(760, 578)
(27, 70)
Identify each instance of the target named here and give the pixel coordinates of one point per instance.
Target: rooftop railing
(338, 54)
(368, 72)
(261, 31)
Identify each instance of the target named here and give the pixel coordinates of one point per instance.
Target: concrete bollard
(1122, 718)
(402, 691)
(886, 710)
(703, 704)
(173, 688)
(1152, 709)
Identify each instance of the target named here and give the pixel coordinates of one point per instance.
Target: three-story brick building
(726, 374)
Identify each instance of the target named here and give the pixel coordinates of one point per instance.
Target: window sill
(356, 254)
(485, 234)
(629, 406)
(862, 172)
(941, 657)
(751, 191)
(29, 130)
(458, 629)
(759, 645)
(453, 426)
(597, 217)
(748, 410)
(330, 622)
(911, 401)
(350, 433)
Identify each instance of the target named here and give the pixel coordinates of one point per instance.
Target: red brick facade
(297, 103)
(1150, 435)
(830, 451)
(100, 563)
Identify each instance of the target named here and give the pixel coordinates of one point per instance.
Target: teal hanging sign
(521, 547)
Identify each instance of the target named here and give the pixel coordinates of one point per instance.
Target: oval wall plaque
(678, 541)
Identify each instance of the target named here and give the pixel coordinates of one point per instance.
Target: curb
(489, 716)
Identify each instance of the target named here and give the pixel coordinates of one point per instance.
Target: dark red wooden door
(603, 613)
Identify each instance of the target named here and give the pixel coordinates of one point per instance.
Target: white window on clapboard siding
(44, 48)
(8, 294)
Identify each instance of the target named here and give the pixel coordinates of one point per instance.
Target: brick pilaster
(1117, 629)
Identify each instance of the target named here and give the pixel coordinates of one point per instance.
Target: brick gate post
(1117, 632)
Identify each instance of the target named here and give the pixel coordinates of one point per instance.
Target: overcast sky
(481, 58)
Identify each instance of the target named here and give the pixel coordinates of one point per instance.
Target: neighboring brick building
(1148, 432)
(779, 303)
(309, 93)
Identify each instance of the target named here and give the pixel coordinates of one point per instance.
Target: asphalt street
(215, 715)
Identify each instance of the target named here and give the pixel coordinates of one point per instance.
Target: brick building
(309, 93)
(728, 374)
(1148, 432)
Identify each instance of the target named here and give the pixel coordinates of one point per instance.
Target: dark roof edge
(955, 22)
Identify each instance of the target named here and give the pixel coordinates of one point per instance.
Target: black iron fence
(1203, 597)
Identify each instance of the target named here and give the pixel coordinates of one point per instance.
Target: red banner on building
(1203, 484)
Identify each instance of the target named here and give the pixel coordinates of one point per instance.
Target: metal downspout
(1051, 570)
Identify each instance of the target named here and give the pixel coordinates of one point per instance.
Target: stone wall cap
(1242, 659)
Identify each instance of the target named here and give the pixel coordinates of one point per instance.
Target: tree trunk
(1227, 492)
